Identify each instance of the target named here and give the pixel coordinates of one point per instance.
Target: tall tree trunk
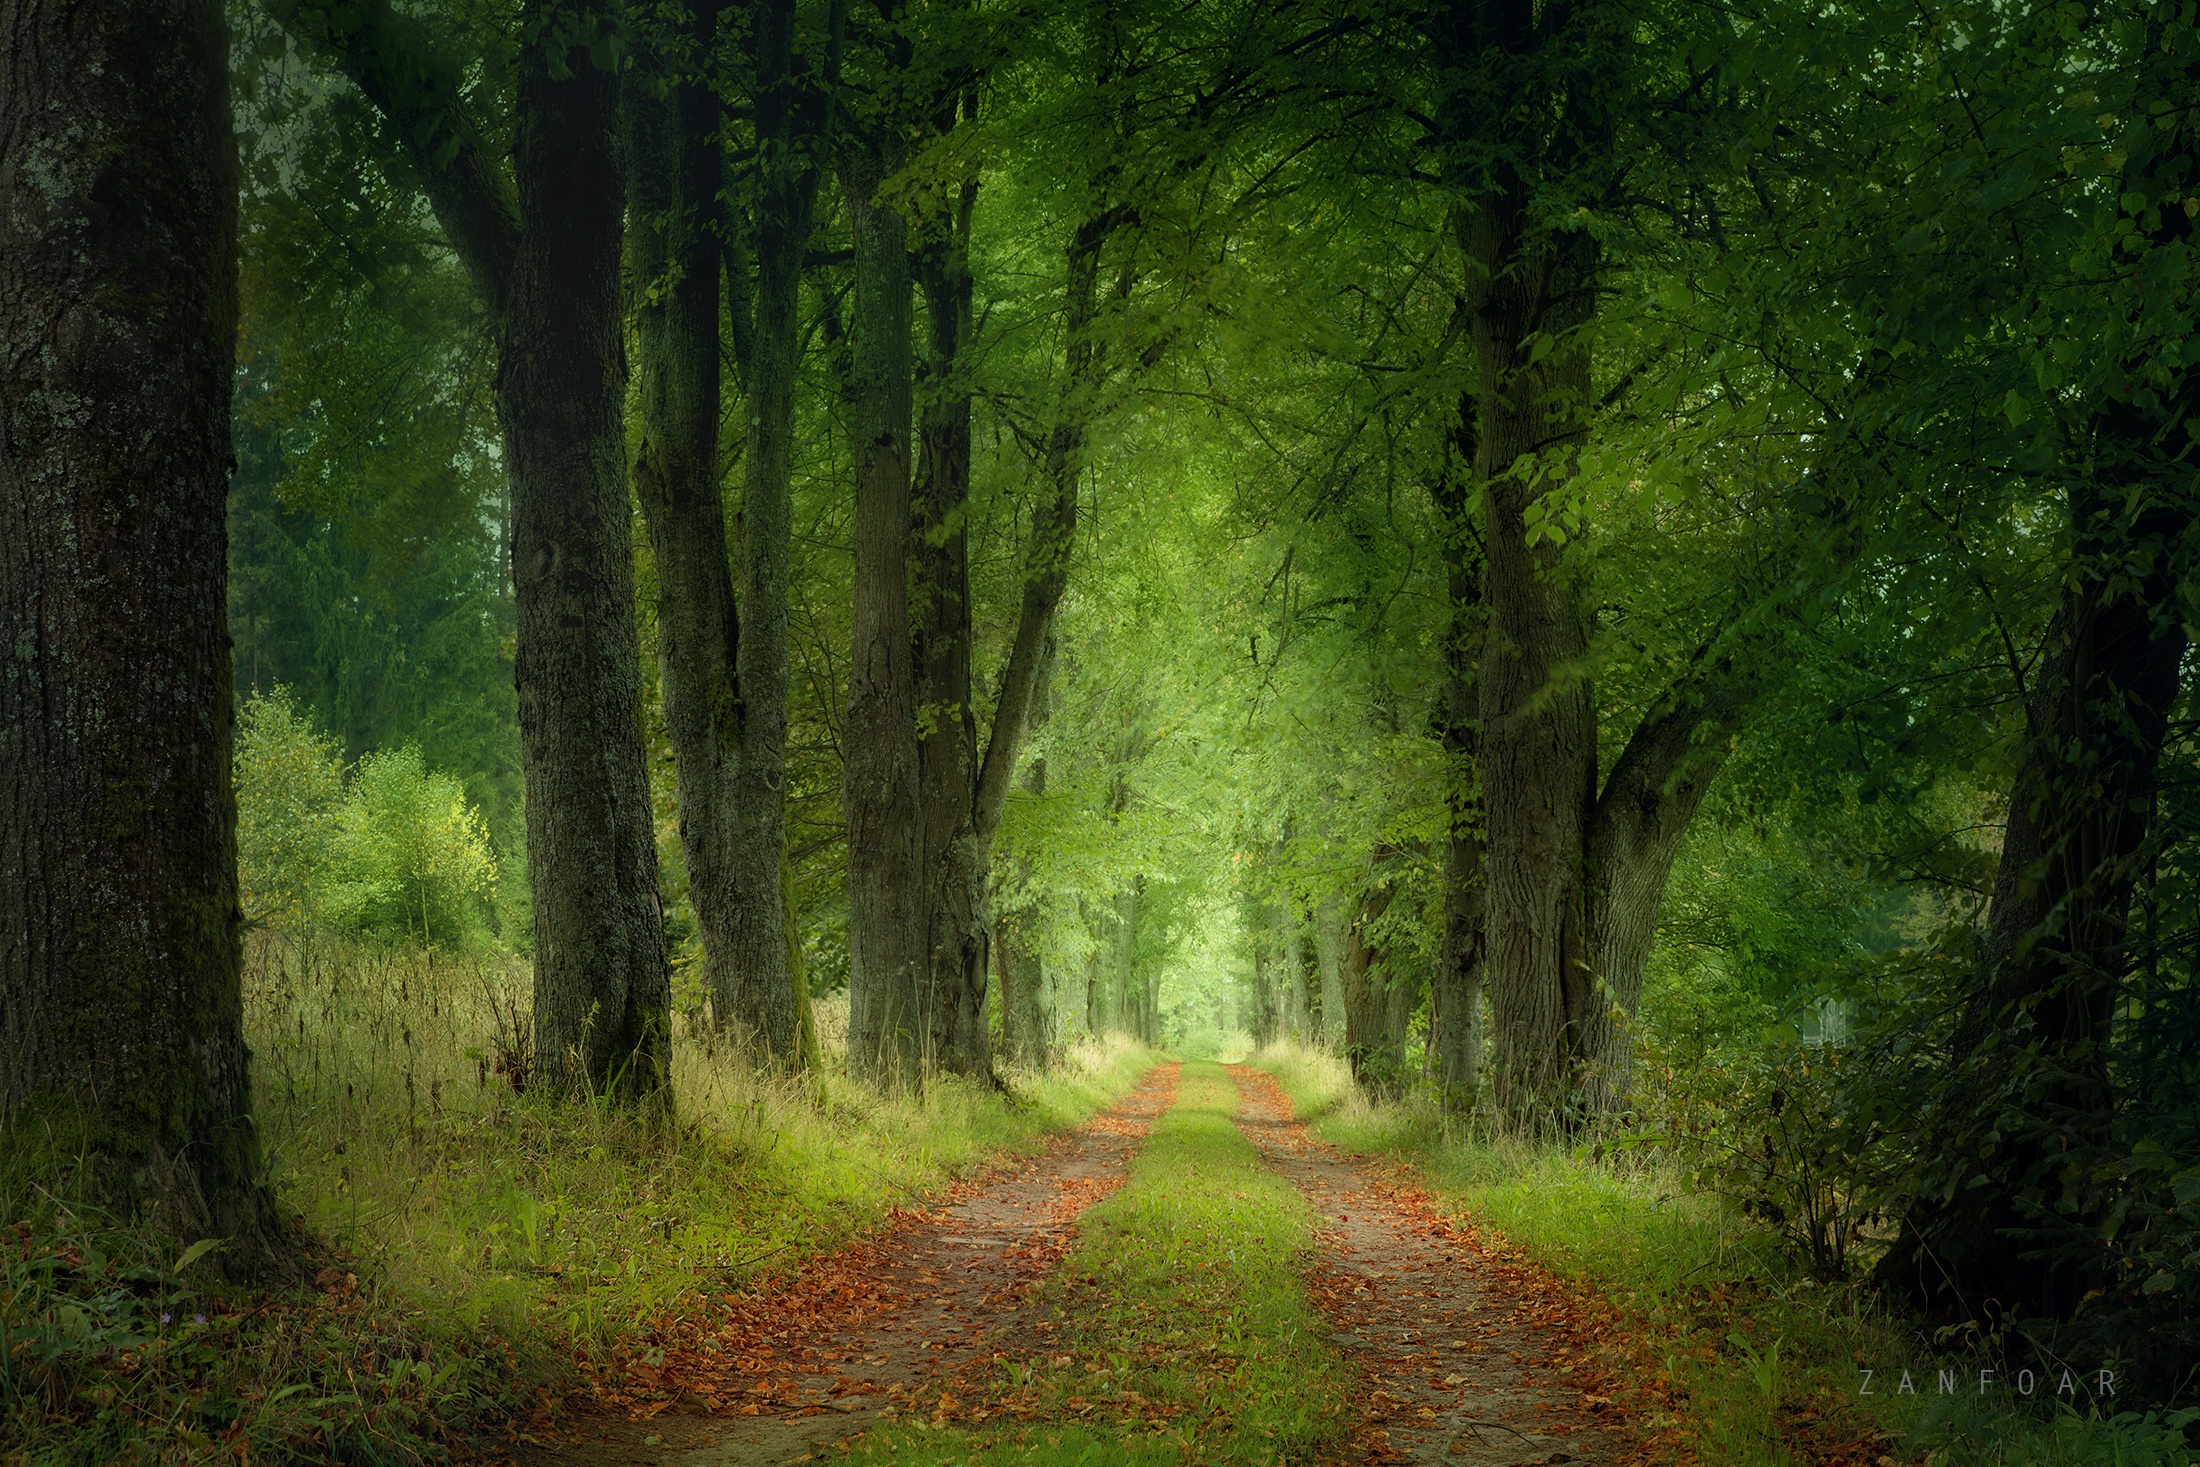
(1123, 962)
(725, 670)
(1290, 977)
(1635, 832)
(1538, 722)
(1024, 1027)
(1455, 994)
(673, 178)
(955, 851)
(121, 1017)
(1096, 986)
(2031, 1107)
(964, 794)
(1374, 1043)
(1455, 989)
(1329, 940)
(887, 1024)
(1151, 1026)
(541, 246)
(1531, 287)
(602, 988)
(1264, 987)
(789, 118)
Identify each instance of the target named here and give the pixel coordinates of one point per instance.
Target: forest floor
(1176, 1332)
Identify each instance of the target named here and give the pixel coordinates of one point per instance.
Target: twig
(744, 1262)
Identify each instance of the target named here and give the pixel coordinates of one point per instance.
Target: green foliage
(290, 787)
(1795, 1137)
(393, 849)
(112, 1352)
(411, 855)
(367, 513)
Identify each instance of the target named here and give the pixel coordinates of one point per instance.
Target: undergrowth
(472, 1237)
(1179, 1330)
(1758, 1355)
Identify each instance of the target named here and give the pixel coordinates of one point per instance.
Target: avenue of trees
(1593, 539)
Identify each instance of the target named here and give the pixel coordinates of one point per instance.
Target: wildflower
(166, 1317)
(198, 1319)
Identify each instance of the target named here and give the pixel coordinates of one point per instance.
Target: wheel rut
(861, 1336)
(1458, 1361)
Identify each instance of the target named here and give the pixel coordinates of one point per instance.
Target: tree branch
(421, 95)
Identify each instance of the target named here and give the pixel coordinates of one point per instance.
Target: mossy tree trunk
(965, 787)
(887, 1023)
(1571, 877)
(121, 1017)
(541, 243)
(602, 986)
(1025, 1030)
(724, 663)
(1329, 946)
(956, 852)
(1455, 988)
(2030, 1107)
(1374, 1034)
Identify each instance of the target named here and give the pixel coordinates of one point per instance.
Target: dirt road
(1460, 1356)
(1460, 1359)
(924, 1305)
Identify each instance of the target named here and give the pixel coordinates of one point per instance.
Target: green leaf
(198, 1251)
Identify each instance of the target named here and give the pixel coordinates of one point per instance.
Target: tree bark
(1635, 832)
(1264, 987)
(963, 794)
(887, 1024)
(725, 670)
(122, 1048)
(1374, 1035)
(1455, 989)
(956, 852)
(1290, 977)
(1024, 1027)
(1123, 962)
(789, 120)
(1096, 987)
(542, 246)
(1538, 721)
(1531, 292)
(1329, 939)
(602, 988)
(2030, 1105)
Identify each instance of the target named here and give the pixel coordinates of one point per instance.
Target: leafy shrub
(290, 783)
(111, 1353)
(411, 852)
(1795, 1135)
(395, 849)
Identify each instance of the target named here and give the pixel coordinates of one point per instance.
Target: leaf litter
(913, 1321)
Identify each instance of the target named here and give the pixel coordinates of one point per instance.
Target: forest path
(1461, 1358)
(922, 1308)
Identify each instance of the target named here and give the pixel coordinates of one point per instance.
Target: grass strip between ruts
(1179, 1331)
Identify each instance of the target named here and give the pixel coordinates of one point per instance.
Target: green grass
(1755, 1351)
(1181, 1331)
(476, 1239)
